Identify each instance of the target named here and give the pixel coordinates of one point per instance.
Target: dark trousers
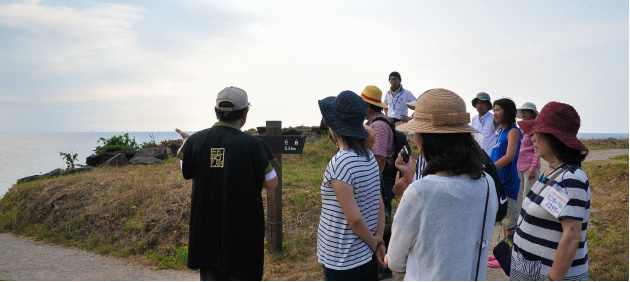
(214, 274)
(388, 194)
(366, 272)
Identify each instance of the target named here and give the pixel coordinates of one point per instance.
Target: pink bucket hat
(558, 119)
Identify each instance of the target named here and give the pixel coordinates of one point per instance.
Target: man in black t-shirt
(228, 168)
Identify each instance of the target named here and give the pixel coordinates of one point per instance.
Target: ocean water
(26, 154)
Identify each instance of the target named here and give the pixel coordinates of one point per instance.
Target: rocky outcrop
(53, 173)
(119, 159)
(158, 153)
(174, 148)
(145, 160)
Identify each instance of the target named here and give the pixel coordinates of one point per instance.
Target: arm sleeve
(404, 230)
(187, 160)
(383, 135)
(575, 185)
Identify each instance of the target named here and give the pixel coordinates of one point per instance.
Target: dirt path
(24, 259)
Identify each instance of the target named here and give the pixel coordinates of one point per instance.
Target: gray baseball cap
(234, 95)
(481, 96)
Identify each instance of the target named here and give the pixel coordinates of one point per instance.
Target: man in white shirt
(397, 98)
(484, 122)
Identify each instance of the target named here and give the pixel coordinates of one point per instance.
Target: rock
(53, 173)
(158, 153)
(96, 160)
(145, 160)
(174, 148)
(29, 179)
(311, 136)
(77, 170)
(119, 159)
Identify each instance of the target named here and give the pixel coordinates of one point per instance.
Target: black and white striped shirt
(537, 237)
(338, 247)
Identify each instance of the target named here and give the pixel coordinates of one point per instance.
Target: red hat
(558, 119)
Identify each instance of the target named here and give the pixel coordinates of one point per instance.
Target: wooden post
(274, 198)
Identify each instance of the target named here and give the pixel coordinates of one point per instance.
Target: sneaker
(494, 264)
(491, 258)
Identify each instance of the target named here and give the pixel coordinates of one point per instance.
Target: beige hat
(439, 111)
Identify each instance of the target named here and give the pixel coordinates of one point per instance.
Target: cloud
(81, 31)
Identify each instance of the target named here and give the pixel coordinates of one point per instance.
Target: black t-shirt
(227, 224)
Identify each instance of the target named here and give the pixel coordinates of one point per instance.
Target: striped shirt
(536, 239)
(384, 144)
(338, 247)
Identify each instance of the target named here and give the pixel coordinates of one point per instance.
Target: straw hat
(345, 114)
(373, 95)
(527, 106)
(558, 119)
(439, 111)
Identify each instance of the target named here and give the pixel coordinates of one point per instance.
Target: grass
(607, 233)
(604, 144)
(143, 212)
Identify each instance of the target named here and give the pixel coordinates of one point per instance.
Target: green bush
(116, 143)
(70, 159)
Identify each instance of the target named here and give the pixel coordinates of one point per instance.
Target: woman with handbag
(550, 240)
(443, 224)
(352, 221)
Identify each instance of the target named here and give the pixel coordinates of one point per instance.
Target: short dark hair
(375, 107)
(458, 153)
(509, 109)
(533, 112)
(228, 116)
(564, 154)
(394, 74)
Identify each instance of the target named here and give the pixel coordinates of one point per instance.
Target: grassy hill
(143, 212)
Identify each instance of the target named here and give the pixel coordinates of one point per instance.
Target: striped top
(536, 239)
(338, 247)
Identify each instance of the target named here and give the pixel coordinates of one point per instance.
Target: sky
(77, 66)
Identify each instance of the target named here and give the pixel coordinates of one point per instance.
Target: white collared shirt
(485, 125)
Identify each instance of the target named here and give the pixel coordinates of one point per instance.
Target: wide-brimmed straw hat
(439, 111)
(527, 106)
(558, 119)
(345, 114)
(373, 95)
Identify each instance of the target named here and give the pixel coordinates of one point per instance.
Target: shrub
(116, 143)
(70, 159)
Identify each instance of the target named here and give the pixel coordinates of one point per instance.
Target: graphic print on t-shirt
(216, 157)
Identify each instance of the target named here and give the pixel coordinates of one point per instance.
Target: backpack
(488, 167)
(400, 141)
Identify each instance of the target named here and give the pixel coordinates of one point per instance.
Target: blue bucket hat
(345, 113)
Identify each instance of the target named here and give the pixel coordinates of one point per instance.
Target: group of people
(442, 227)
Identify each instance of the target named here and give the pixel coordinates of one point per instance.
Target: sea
(26, 154)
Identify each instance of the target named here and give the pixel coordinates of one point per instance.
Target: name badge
(479, 138)
(554, 202)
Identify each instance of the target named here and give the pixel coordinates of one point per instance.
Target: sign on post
(278, 144)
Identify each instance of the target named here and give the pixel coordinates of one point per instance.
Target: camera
(405, 152)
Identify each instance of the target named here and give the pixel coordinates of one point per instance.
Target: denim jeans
(366, 272)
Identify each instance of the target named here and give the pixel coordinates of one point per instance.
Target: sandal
(494, 264)
(491, 258)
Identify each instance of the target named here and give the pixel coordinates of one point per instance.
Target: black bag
(503, 253)
(490, 169)
(400, 140)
